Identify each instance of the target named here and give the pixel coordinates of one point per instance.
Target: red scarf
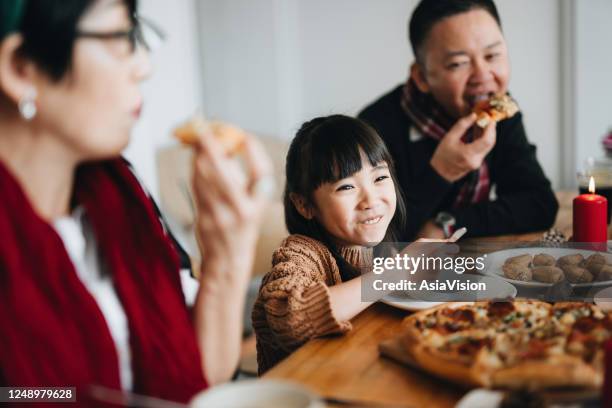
(430, 119)
(53, 333)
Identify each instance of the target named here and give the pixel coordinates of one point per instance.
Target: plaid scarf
(430, 120)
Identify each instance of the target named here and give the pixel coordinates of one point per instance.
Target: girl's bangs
(340, 156)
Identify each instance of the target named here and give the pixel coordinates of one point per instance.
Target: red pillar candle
(590, 217)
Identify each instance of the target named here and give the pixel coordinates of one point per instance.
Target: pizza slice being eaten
(497, 108)
(231, 137)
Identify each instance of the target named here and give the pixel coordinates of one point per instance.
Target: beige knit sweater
(293, 305)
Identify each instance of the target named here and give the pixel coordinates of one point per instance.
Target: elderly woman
(89, 280)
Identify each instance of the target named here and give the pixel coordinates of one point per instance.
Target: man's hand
(454, 158)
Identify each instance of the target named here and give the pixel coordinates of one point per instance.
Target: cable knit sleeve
(295, 293)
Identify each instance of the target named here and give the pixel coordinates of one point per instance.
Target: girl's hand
(428, 247)
(228, 202)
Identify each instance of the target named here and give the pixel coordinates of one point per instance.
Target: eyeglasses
(144, 33)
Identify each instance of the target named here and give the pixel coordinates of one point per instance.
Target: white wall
(534, 47)
(352, 52)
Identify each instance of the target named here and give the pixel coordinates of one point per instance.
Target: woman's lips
(137, 111)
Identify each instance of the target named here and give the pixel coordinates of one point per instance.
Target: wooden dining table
(349, 370)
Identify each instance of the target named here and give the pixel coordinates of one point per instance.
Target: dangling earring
(27, 104)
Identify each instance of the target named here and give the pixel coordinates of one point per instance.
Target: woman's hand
(229, 207)
(228, 204)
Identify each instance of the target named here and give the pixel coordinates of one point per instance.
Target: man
(446, 165)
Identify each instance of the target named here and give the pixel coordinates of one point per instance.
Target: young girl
(341, 199)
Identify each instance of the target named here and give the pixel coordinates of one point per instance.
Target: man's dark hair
(429, 12)
(49, 28)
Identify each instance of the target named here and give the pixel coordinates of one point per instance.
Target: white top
(80, 243)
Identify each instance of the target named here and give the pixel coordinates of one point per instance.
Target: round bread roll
(524, 260)
(577, 274)
(547, 274)
(594, 263)
(543, 260)
(570, 260)
(231, 137)
(517, 272)
(605, 273)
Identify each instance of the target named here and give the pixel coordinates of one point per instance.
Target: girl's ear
(301, 206)
(417, 73)
(18, 76)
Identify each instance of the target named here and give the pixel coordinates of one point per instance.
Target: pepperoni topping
(578, 336)
(471, 346)
(586, 324)
(448, 327)
(535, 349)
(500, 309)
(591, 347)
(607, 322)
(460, 315)
(452, 327)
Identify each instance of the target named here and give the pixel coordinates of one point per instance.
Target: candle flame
(592, 185)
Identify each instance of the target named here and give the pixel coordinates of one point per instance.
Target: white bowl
(257, 394)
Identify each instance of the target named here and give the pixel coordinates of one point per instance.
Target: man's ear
(17, 74)
(417, 73)
(301, 206)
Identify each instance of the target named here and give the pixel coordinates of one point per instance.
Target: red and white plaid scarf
(430, 119)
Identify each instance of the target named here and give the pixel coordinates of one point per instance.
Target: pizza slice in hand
(497, 108)
(231, 137)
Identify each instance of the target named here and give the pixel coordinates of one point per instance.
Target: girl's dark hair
(49, 29)
(325, 150)
(429, 12)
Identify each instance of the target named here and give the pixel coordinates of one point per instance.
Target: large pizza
(521, 344)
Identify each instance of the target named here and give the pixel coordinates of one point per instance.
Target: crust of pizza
(498, 108)
(423, 354)
(231, 137)
(436, 363)
(557, 371)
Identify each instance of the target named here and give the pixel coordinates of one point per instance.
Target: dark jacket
(525, 201)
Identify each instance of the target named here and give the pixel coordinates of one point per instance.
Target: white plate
(402, 300)
(257, 394)
(603, 299)
(481, 398)
(424, 299)
(495, 260)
